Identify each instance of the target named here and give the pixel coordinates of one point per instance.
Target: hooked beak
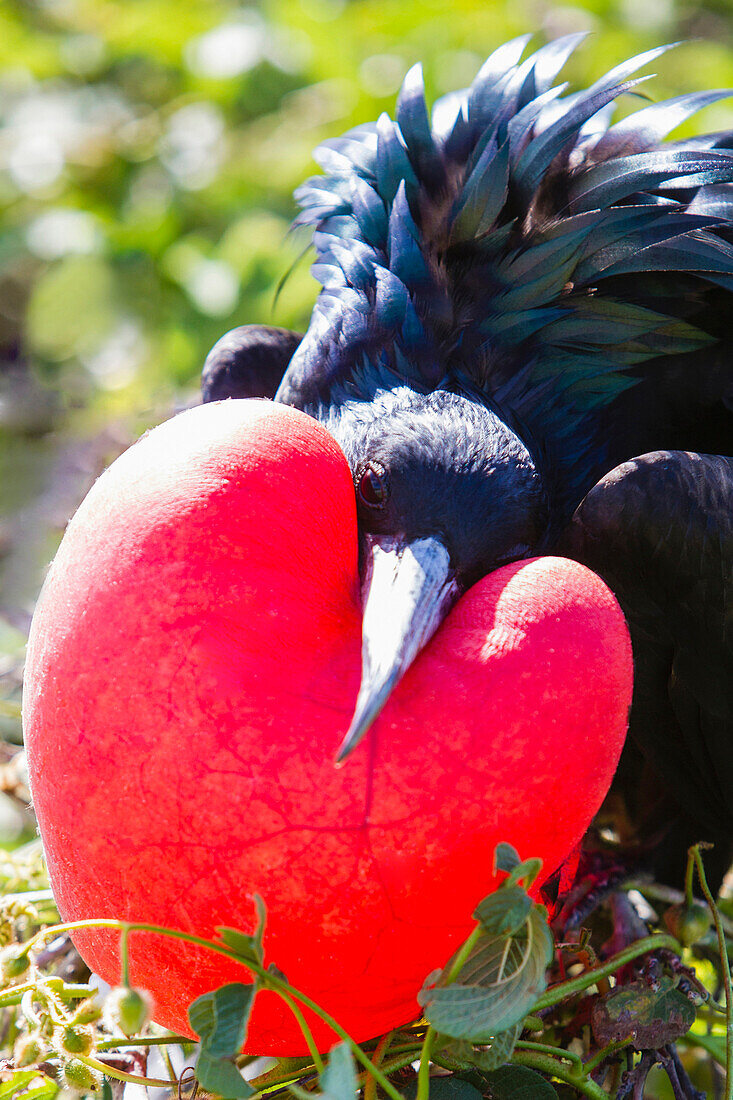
(408, 590)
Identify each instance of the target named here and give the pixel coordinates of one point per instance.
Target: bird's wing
(659, 530)
(248, 361)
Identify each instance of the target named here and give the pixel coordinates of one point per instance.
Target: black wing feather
(659, 530)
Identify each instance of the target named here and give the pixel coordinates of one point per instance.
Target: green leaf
(338, 1079)
(649, 1017)
(506, 858)
(488, 1056)
(504, 912)
(248, 947)
(18, 1081)
(527, 870)
(220, 1020)
(43, 1089)
(499, 983)
(446, 1088)
(261, 917)
(519, 1083)
(222, 1077)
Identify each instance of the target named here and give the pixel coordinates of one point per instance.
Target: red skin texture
(192, 668)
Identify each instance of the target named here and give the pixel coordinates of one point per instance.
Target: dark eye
(372, 486)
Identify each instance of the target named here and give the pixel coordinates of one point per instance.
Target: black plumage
(659, 530)
(519, 299)
(249, 361)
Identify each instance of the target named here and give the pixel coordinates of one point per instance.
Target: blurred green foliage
(150, 148)
(148, 154)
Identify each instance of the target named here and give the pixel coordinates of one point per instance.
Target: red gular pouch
(192, 669)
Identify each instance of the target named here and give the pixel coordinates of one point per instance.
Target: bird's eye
(372, 485)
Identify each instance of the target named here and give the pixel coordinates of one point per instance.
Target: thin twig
(725, 966)
(558, 993)
(555, 1052)
(137, 1041)
(423, 1073)
(555, 1068)
(120, 1075)
(607, 1051)
(370, 1085)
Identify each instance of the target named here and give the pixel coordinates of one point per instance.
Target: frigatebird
(522, 345)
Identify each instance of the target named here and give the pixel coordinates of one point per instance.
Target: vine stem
(270, 980)
(370, 1085)
(725, 965)
(137, 1041)
(400, 1061)
(170, 1069)
(120, 1075)
(15, 994)
(555, 1052)
(658, 942)
(423, 1073)
(462, 955)
(270, 1080)
(606, 1052)
(307, 1033)
(125, 955)
(554, 1068)
(689, 878)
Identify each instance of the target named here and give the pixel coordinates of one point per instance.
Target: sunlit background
(148, 154)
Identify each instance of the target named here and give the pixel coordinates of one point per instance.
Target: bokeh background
(148, 154)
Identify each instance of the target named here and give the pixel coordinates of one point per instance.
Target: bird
(248, 361)
(522, 345)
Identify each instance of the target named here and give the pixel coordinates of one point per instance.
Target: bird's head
(515, 241)
(446, 492)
